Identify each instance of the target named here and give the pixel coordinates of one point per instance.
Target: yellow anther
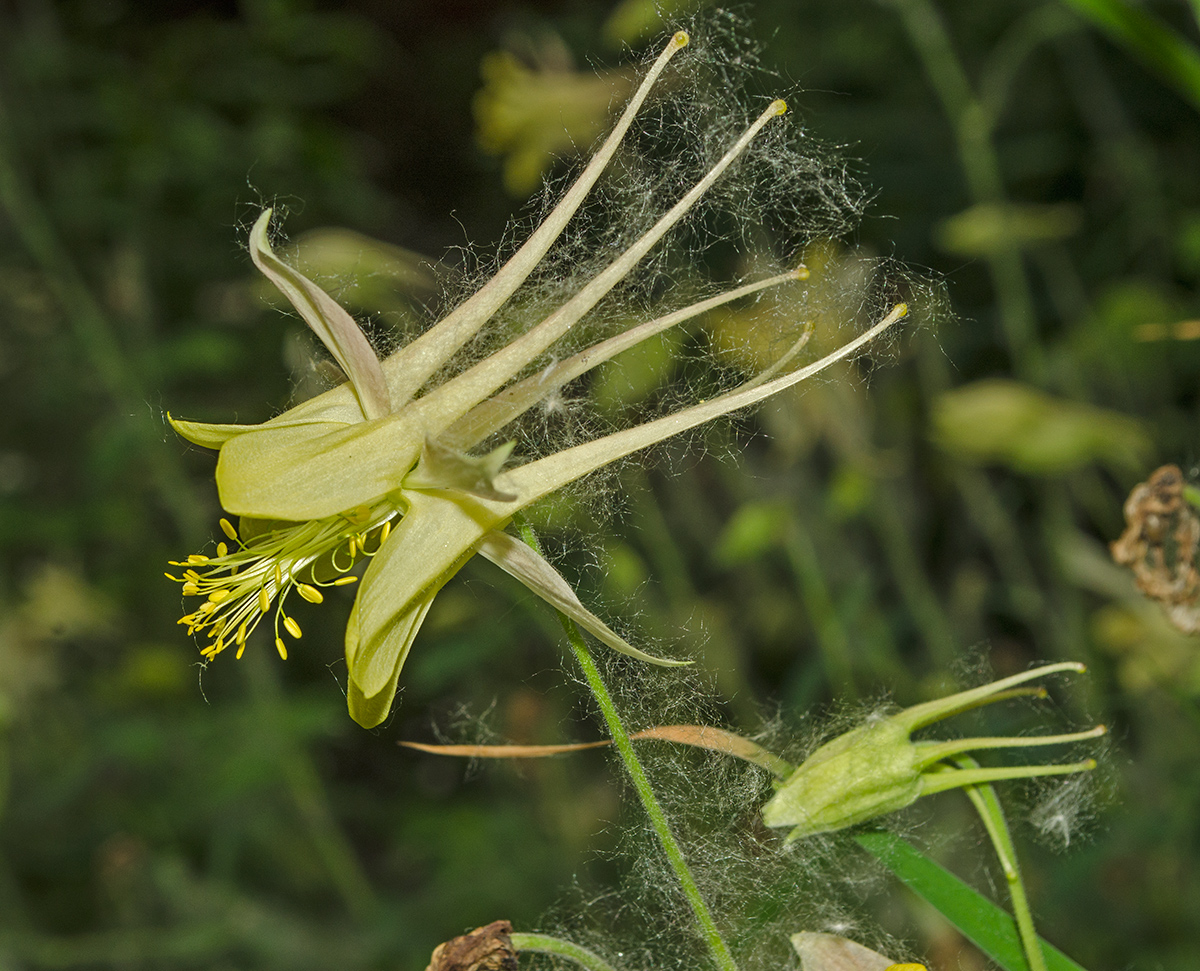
(190, 589)
(240, 651)
(171, 576)
(197, 558)
(241, 636)
(191, 575)
(222, 550)
(278, 577)
(290, 625)
(281, 647)
(206, 608)
(345, 581)
(228, 530)
(264, 600)
(385, 532)
(218, 595)
(310, 593)
(353, 547)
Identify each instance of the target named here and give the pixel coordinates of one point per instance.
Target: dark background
(868, 538)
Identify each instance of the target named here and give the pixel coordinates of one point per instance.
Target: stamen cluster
(240, 586)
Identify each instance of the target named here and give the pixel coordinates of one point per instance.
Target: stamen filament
(239, 586)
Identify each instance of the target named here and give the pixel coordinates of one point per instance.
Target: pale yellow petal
(539, 478)
(496, 412)
(342, 337)
(314, 470)
(205, 434)
(444, 468)
(388, 653)
(521, 561)
(444, 404)
(828, 952)
(431, 543)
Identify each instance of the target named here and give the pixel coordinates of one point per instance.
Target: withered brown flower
(1160, 542)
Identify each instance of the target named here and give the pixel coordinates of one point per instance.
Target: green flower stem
(544, 944)
(832, 639)
(988, 807)
(911, 578)
(658, 819)
(721, 658)
(973, 126)
(94, 333)
(308, 794)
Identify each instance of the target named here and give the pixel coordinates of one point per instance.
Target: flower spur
(381, 466)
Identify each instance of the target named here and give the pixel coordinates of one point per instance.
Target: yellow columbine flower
(380, 467)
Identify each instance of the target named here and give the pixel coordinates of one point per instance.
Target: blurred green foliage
(869, 536)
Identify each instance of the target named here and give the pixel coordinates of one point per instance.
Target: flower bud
(877, 768)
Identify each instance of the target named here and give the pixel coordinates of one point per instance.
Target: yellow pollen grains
(244, 580)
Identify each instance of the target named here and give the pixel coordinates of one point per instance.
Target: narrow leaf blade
(991, 929)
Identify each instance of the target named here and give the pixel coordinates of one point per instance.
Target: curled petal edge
(521, 561)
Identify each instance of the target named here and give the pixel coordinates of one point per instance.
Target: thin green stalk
(94, 333)
(831, 634)
(312, 802)
(972, 123)
(721, 657)
(641, 784)
(912, 579)
(544, 944)
(988, 806)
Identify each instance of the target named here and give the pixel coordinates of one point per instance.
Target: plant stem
(641, 784)
(544, 944)
(304, 784)
(95, 335)
(988, 806)
(973, 127)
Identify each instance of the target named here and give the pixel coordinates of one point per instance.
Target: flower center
(240, 585)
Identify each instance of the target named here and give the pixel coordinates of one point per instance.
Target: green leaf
(988, 927)
(1157, 46)
(996, 420)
